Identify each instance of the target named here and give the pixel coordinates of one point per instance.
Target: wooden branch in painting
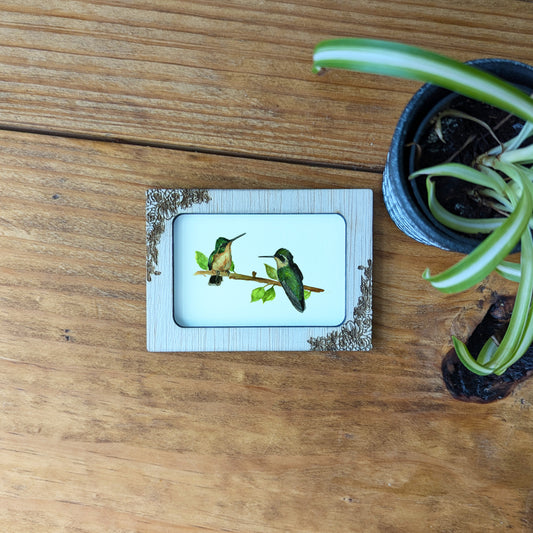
(244, 277)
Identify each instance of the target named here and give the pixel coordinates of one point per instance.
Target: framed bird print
(246, 270)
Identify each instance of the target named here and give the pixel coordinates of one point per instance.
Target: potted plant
(501, 176)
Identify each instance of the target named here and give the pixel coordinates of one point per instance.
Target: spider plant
(503, 175)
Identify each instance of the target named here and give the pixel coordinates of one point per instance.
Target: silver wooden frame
(163, 334)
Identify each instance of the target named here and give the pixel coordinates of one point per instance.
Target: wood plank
(234, 78)
(98, 435)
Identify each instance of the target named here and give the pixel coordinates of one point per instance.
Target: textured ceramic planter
(408, 213)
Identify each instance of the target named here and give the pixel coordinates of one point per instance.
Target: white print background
(317, 242)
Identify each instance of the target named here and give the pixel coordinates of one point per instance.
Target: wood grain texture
(97, 435)
(232, 77)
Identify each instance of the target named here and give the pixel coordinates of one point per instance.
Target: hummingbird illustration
(220, 258)
(290, 277)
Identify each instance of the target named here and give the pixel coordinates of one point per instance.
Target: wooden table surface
(101, 100)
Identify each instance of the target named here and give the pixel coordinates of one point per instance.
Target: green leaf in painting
(306, 294)
(270, 294)
(202, 260)
(258, 294)
(272, 273)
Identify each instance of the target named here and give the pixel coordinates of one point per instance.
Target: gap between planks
(179, 148)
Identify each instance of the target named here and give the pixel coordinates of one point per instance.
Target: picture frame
(326, 234)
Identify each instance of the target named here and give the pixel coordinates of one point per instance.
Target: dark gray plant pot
(400, 201)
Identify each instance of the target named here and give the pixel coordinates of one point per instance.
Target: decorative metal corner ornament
(162, 206)
(355, 335)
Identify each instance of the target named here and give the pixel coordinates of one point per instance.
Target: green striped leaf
(509, 270)
(491, 180)
(488, 255)
(513, 345)
(401, 60)
(487, 352)
(466, 358)
(456, 222)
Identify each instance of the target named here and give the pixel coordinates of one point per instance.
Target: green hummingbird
(220, 258)
(290, 277)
